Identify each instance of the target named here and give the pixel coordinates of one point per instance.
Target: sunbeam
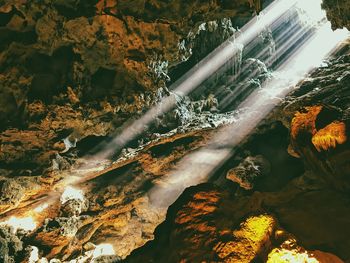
(290, 70)
(200, 72)
(198, 166)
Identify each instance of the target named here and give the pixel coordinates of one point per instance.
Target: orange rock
(73, 98)
(304, 122)
(248, 241)
(330, 136)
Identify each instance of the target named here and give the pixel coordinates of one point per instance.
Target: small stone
(246, 173)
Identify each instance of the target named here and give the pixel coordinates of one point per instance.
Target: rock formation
(74, 75)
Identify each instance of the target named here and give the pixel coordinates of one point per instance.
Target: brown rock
(248, 171)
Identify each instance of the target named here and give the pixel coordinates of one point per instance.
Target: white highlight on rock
(68, 144)
(103, 250)
(34, 255)
(93, 256)
(41, 208)
(71, 193)
(25, 223)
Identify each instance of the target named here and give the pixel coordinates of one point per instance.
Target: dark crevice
(117, 176)
(75, 9)
(165, 149)
(52, 74)
(9, 36)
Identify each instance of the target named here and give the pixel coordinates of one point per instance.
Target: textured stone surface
(312, 206)
(95, 49)
(338, 12)
(248, 171)
(75, 73)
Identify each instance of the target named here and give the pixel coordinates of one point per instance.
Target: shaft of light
(185, 85)
(199, 73)
(240, 88)
(198, 166)
(203, 70)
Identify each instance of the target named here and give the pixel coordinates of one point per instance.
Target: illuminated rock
(115, 54)
(24, 223)
(203, 225)
(322, 129)
(71, 193)
(249, 241)
(290, 252)
(248, 171)
(73, 202)
(290, 256)
(304, 123)
(33, 254)
(329, 137)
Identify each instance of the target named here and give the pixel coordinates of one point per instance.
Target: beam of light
(26, 223)
(273, 14)
(198, 166)
(243, 85)
(294, 39)
(199, 73)
(311, 11)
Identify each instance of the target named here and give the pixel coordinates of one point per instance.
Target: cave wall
(338, 13)
(98, 48)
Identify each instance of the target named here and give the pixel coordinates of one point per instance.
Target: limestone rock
(10, 245)
(248, 171)
(337, 13)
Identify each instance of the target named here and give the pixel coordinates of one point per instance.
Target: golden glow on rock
(248, 240)
(282, 255)
(25, 223)
(291, 252)
(330, 136)
(305, 122)
(256, 228)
